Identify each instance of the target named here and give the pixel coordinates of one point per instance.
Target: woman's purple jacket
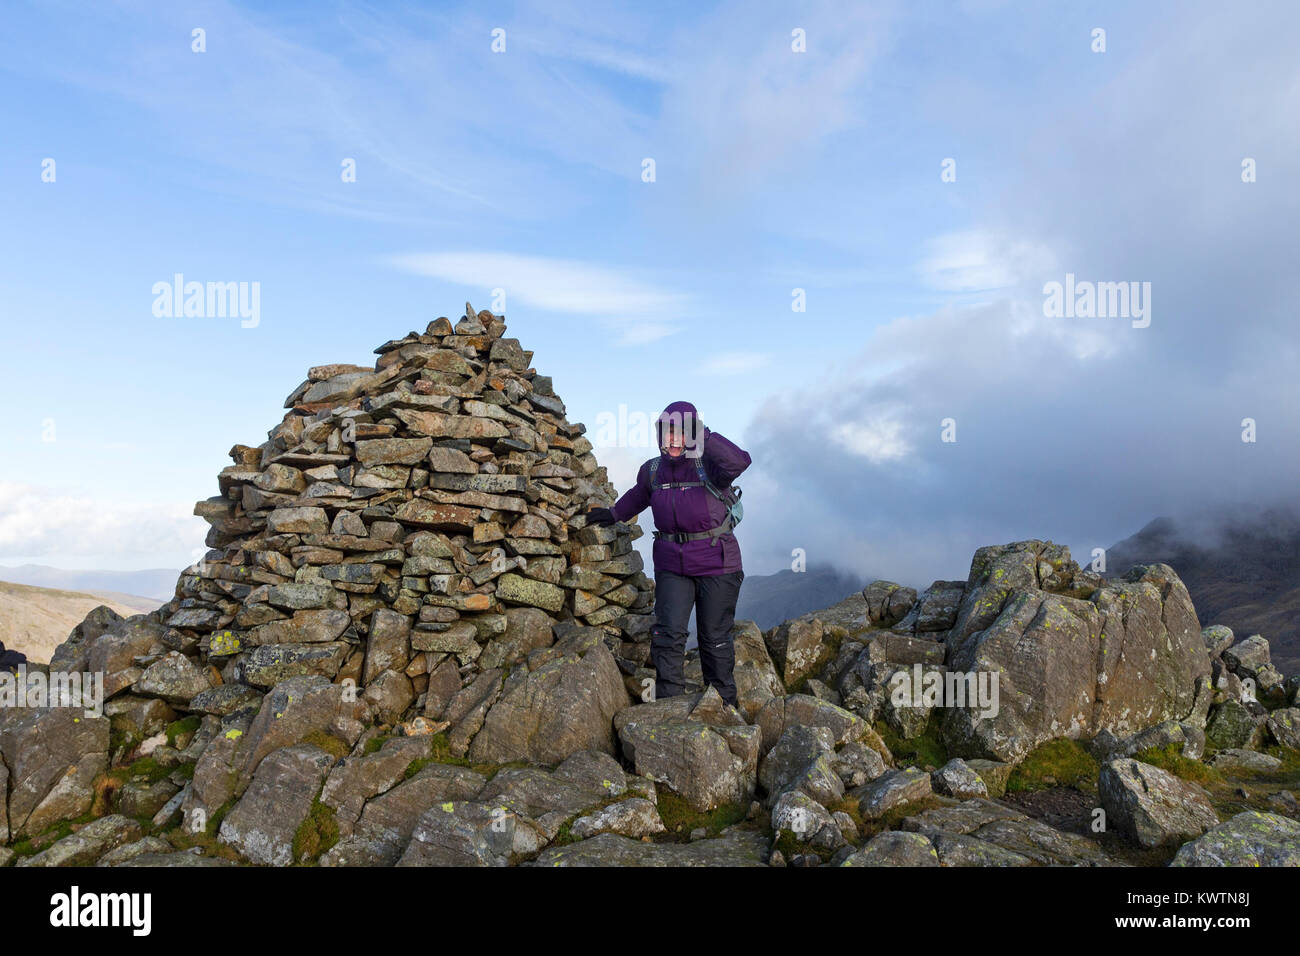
(688, 510)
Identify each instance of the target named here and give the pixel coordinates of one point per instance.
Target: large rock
(1152, 806)
(695, 744)
(527, 629)
(808, 711)
(1041, 844)
(895, 848)
(786, 765)
(1128, 657)
(957, 779)
(757, 680)
(734, 847)
(294, 710)
(73, 655)
(356, 779)
(563, 704)
(1250, 838)
(263, 823)
(936, 608)
(635, 817)
(88, 844)
(887, 603)
(806, 820)
(1284, 725)
(382, 834)
(1234, 725)
(174, 678)
(471, 833)
(113, 653)
(388, 647)
(53, 757)
(796, 646)
(893, 789)
(1247, 760)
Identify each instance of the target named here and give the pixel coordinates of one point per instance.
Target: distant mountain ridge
(1241, 570)
(770, 599)
(156, 583)
(36, 620)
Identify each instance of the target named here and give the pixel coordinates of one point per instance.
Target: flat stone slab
(733, 848)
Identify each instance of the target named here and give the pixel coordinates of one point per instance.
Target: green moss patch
(1170, 757)
(316, 834)
(1057, 763)
(680, 818)
(328, 743)
(181, 732)
(925, 750)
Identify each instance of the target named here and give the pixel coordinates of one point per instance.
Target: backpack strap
(654, 469)
(713, 534)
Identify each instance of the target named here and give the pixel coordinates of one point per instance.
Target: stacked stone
(408, 525)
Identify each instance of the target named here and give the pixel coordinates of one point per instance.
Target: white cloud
(745, 107)
(639, 333)
(878, 439)
(67, 525)
(552, 285)
(735, 363)
(978, 259)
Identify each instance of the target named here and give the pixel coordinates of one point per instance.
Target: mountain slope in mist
(1242, 571)
(769, 599)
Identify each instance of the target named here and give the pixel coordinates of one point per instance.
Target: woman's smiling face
(673, 442)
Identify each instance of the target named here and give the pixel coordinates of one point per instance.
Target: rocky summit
(405, 647)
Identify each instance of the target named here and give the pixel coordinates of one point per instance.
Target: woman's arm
(636, 499)
(726, 458)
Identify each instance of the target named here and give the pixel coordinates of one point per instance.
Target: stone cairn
(423, 506)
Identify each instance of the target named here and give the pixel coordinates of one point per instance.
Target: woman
(696, 557)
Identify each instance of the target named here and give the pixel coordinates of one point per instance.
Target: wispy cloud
(980, 260)
(552, 285)
(735, 363)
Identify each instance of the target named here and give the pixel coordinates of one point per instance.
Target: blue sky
(775, 170)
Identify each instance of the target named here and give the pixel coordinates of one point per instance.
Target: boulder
(53, 757)
(381, 835)
(1152, 806)
(564, 704)
(893, 789)
(1128, 657)
(895, 848)
(88, 844)
(757, 680)
(471, 833)
(957, 779)
(1284, 726)
(887, 603)
(734, 847)
(635, 817)
(1250, 838)
(263, 824)
(796, 647)
(1234, 725)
